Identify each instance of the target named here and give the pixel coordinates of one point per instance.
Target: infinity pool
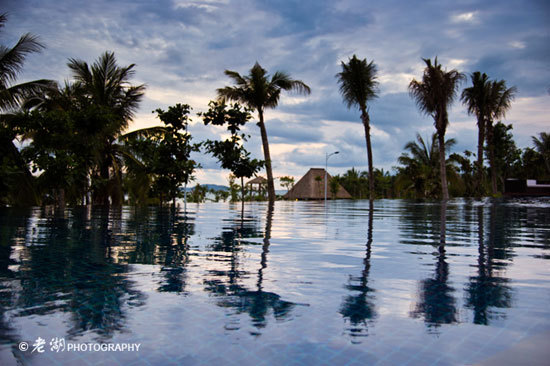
(401, 282)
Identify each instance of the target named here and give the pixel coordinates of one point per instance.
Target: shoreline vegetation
(66, 144)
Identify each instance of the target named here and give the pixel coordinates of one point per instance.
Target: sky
(182, 47)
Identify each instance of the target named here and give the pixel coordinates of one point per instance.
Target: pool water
(398, 282)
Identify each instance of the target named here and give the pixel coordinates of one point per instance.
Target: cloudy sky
(182, 47)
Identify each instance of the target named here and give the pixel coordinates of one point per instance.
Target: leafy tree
(287, 182)
(355, 182)
(219, 194)
(532, 165)
(500, 100)
(469, 184)
(258, 91)
(333, 186)
(384, 184)
(59, 152)
(358, 86)
(165, 152)
(16, 181)
(507, 157)
(231, 153)
(476, 99)
(542, 145)
(433, 95)
(198, 194)
(233, 188)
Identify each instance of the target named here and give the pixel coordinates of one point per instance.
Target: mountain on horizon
(216, 187)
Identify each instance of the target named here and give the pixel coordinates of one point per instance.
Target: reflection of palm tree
(360, 308)
(75, 272)
(164, 243)
(256, 303)
(175, 250)
(436, 303)
(486, 290)
(14, 221)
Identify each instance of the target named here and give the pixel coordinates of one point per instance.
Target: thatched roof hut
(259, 182)
(312, 187)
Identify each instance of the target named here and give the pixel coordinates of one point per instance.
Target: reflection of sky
(182, 47)
(317, 267)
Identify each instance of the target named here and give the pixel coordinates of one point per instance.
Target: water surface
(399, 282)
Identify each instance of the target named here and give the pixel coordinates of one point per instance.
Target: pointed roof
(257, 180)
(312, 187)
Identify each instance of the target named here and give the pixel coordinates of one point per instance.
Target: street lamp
(326, 174)
(185, 186)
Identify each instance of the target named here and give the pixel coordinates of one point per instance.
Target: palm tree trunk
(267, 158)
(442, 165)
(480, 142)
(25, 185)
(366, 123)
(104, 195)
(492, 157)
(60, 199)
(117, 196)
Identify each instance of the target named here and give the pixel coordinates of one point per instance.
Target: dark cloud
(313, 17)
(288, 132)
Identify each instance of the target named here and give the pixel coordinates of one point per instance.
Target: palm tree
(258, 91)
(543, 147)
(358, 86)
(433, 95)
(500, 100)
(11, 64)
(476, 99)
(11, 96)
(105, 87)
(421, 166)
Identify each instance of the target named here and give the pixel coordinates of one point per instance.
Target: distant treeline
(417, 175)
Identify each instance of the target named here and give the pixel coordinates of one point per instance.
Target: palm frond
(237, 78)
(357, 82)
(257, 90)
(12, 59)
(16, 95)
(148, 132)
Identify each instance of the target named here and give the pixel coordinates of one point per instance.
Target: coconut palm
(476, 100)
(11, 64)
(543, 147)
(105, 88)
(500, 100)
(258, 91)
(358, 86)
(11, 96)
(421, 166)
(433, 95)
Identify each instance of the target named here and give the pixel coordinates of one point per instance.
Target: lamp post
(326, 174)
(185, 186)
